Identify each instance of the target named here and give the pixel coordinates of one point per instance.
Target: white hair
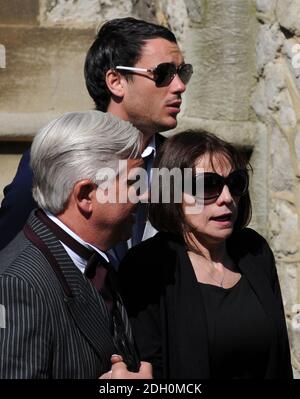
(76, 146)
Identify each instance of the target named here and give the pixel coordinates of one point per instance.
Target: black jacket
(167, 311)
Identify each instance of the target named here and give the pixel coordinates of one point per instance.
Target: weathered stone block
(196, 10)
(282, 177)
(79, 13)
(283, 228)
(269, 41)
(296, 343)
(274, 83)
(292, 52)
(44, 72)
(288, 13)
(176, 16)
(223, 54)
(259, 101)
(265, 6)
(19, 12)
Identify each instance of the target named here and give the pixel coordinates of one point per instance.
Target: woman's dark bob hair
(182, 151)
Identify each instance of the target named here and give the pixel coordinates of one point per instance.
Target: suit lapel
(86, 306)
(190, 320)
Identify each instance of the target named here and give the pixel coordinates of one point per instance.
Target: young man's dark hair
(118, 42)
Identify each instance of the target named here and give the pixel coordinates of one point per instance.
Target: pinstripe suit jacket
(46, 333)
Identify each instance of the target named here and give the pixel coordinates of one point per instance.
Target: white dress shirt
(78, 260)
(148, 155)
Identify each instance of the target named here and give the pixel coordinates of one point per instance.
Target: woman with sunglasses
(203, 294)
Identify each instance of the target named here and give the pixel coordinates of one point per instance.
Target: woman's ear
(83, 194)
(115, 83)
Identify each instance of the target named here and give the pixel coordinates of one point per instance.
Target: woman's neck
(214, 252)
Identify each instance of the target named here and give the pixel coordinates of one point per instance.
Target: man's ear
(83, 194)
(115, 83)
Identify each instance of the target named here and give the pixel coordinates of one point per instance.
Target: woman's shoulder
(248, 240)
(249, 244)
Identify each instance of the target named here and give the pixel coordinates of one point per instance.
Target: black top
(169, 318)
(238, 331)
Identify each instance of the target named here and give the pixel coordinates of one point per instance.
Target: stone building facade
(245, 88)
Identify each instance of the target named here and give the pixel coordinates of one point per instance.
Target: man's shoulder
(22, 259)
(13, 251)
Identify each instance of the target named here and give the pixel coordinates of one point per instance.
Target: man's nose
(177, 85)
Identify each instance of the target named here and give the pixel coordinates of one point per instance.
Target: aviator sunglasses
(164, 73)
(213, 183)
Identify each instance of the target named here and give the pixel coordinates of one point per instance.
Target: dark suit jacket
(49, 334)
(18, 201)
(167, 312)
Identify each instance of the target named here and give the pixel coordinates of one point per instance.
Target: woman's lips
(223, 220)
(223, 217)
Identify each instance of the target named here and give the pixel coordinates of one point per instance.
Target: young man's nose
(177, 85)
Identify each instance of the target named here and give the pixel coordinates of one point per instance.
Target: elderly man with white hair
(60, 314)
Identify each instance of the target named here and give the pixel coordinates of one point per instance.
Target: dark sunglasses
(164, 73)
(213, 183)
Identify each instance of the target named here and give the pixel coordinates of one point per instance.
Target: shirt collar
(74, 235)
(150, 149)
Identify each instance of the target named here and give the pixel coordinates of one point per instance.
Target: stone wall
(245, 88)
(276, 102)
(43, 75)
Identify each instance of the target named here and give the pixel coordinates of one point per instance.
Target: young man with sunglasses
(136, 71)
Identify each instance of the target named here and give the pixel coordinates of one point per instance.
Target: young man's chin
(168, 125)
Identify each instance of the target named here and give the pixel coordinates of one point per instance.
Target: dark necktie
(97, 271)
(97, 267)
